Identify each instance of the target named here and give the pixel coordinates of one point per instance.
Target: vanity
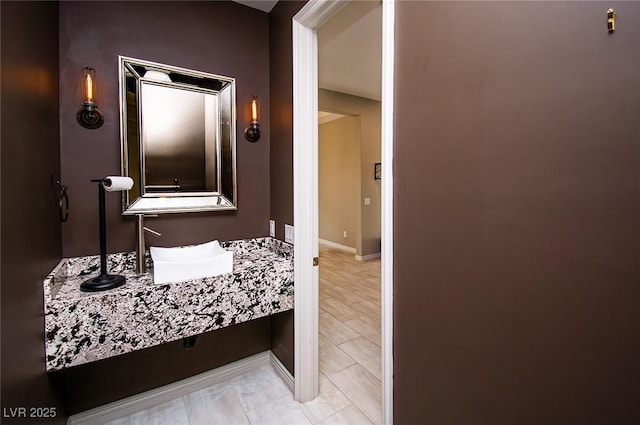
(83, 327)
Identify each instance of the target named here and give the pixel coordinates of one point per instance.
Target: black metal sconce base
(90, 117)
(252, 133)
(102, 283)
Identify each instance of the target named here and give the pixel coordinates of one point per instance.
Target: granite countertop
(81, 327)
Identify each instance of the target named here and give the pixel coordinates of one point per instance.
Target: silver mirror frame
(224, 199)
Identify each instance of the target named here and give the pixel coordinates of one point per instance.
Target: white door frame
(305, 204)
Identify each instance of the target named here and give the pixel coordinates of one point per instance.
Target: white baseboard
(118, 409)
(283, 373)
(337, 246)
(367, 257)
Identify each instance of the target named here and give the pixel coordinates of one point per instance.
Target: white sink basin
(190, 262)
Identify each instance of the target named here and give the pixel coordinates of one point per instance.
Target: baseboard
(367, 257)
(337, 246)
(283, 373)
(118, 409)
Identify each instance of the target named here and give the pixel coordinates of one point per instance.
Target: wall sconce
(252, 133)
(89, 116)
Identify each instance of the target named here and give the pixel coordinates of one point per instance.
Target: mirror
(178, 138)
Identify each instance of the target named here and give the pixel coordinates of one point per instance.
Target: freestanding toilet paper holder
(105, 280)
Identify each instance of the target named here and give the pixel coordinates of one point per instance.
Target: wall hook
(63, 199)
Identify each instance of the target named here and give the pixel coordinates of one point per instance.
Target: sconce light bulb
(89, 83)
(254, 110)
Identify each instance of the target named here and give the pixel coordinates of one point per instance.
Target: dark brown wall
(31, 238)
(94, 384)
(281, 155)
(282, 339)
(219, 37)
(517, 213)
(281, 86)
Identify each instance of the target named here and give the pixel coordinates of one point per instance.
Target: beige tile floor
(350, 388)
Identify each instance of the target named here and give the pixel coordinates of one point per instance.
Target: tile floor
(350, 387)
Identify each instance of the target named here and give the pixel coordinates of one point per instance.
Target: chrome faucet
(140, 245)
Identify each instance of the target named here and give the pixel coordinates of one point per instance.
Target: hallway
(350, 328)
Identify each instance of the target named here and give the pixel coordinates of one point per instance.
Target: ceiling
(264, 5)
(325, 117)
(349, 48)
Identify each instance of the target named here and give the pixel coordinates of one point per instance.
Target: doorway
(305, 73)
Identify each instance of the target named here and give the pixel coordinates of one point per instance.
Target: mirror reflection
(178, 138)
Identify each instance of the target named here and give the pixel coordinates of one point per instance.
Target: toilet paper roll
(117, 183)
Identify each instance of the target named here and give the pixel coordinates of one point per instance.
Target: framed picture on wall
(377, 171)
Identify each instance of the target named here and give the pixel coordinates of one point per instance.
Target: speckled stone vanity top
(82, 327)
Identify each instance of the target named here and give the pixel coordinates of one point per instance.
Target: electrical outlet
(272, 228)
(345, 233)
(288, 233)
(367, 201)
